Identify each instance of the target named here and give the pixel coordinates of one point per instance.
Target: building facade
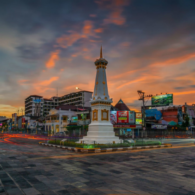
(36, 105)
(64, 115)
(80, 98)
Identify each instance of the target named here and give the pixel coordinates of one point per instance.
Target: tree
(186, 121)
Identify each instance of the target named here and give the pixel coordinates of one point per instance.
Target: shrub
(119, 145)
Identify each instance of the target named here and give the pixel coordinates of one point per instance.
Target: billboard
(122, 116)
(138, 121)
(113, 117)
(138, 115)
(153, 113)
(162, 100)
(131, 117)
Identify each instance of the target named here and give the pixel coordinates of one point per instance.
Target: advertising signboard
(153, 113)
(138, 115)
(23, 122)
(122, 116)
(131, 117)
(138, 121)
(37, 101)
(162, 100)
(74, 119)
(113, 117)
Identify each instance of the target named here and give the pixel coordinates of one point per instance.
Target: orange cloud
(68, 40)
(128, 83)
(174, 61)
(183, 93)
(98, 30)
(116, 7)
(54, 56)
(48, 82)
(74, 55)
(87, 27)
(85, 49)
(43, 86)
(123, 74)
(125, 44)
(115, 18)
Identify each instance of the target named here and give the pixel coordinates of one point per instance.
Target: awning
(125, 126)
(81, 109)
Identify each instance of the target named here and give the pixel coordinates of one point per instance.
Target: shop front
(126, 130)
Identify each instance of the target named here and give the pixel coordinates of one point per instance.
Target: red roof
(121, 106)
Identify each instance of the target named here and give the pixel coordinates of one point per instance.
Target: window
(104, 114)
(95, 115)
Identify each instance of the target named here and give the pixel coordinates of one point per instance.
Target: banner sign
(113, 117)
(23, 122)
(138, 121)
(37, 101)
(138, 115)
(162, 100)
(131, 117)
(122, 117)
(159, 126)
(153, 113)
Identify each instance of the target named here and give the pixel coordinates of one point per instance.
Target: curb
(102, 150)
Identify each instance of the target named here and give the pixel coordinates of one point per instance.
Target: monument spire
(100, 129)
(101, 56)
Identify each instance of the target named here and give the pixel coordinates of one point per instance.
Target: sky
(47, 44)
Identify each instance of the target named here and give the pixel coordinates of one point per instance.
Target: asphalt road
(29, 168)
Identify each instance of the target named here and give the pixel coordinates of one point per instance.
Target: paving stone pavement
(32, 169)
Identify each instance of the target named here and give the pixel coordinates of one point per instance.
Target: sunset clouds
(149, 45)
(54, 56)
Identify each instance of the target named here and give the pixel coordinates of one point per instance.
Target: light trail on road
(106, 153)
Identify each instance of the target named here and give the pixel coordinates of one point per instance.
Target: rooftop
(34, 96)
(121, 106)
(72, 107)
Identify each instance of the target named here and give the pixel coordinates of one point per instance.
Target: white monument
(100, 130)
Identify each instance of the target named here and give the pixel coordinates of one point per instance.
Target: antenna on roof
(57, 98)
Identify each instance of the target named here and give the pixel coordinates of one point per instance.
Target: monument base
(100, 133)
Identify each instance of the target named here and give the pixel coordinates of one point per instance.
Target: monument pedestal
(100, 133)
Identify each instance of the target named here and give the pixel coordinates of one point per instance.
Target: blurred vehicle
(61, 134)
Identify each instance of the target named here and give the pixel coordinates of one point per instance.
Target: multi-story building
(49, 104)
(80, 98)
(36, 105)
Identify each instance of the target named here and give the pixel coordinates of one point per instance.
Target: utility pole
(22, 111)
(142, 97)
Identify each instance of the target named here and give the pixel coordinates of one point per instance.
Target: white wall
(87, 97)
